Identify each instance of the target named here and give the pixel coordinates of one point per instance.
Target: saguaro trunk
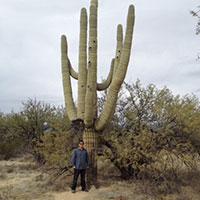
(91, 144)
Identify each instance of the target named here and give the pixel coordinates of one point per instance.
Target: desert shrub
(7, 150)
(57, 144)
(22, 132)
(35, 116)
(35, 119)
(56, 148)
(154, 134)
(10, 142)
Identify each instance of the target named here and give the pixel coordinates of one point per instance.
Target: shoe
(73, 191)
(85, 190)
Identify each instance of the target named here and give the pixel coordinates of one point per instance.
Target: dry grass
(185, 185)
(3, 176)
(22, 179)
(6, 193)
(18, 177)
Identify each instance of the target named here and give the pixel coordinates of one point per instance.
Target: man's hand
(74, 167)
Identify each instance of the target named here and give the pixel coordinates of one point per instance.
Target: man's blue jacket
(80, 158)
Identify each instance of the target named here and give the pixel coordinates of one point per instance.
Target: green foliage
(153, 133)
(35, 115)
(7, 150)
(40, 129)
(56, 146)
(35, 118)
(23, 131)
(10, 142)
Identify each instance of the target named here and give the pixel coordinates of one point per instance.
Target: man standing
(80, 161)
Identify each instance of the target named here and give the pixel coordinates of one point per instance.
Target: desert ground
(23, 179)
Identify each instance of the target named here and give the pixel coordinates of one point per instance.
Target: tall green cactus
(86, 111)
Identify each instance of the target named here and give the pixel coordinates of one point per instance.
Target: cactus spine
(86, 111)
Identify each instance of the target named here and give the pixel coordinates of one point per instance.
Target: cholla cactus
(85, 115)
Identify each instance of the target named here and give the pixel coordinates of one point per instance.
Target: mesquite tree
(85, 116)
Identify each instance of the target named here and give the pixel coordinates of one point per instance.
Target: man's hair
(81, 141)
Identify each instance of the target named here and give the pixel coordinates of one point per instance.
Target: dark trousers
(76, 175)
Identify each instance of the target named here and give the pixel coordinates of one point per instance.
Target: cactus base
(91, 143)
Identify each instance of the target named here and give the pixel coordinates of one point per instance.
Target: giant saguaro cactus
(85, 115)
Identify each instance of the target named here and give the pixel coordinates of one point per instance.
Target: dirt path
(104, 193)
(79, 195)
(70, 196)
(22, 179)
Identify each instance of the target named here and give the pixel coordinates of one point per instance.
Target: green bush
(153, 133)
(22, 132)
(10, 143)
(56, 148)
(8, 150)
(57, 144)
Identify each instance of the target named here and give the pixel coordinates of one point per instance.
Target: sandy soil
(103, 193)
(22, 179)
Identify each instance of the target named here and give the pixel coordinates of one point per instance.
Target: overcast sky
(164, 47)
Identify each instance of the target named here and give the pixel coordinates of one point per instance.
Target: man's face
(81, 144)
